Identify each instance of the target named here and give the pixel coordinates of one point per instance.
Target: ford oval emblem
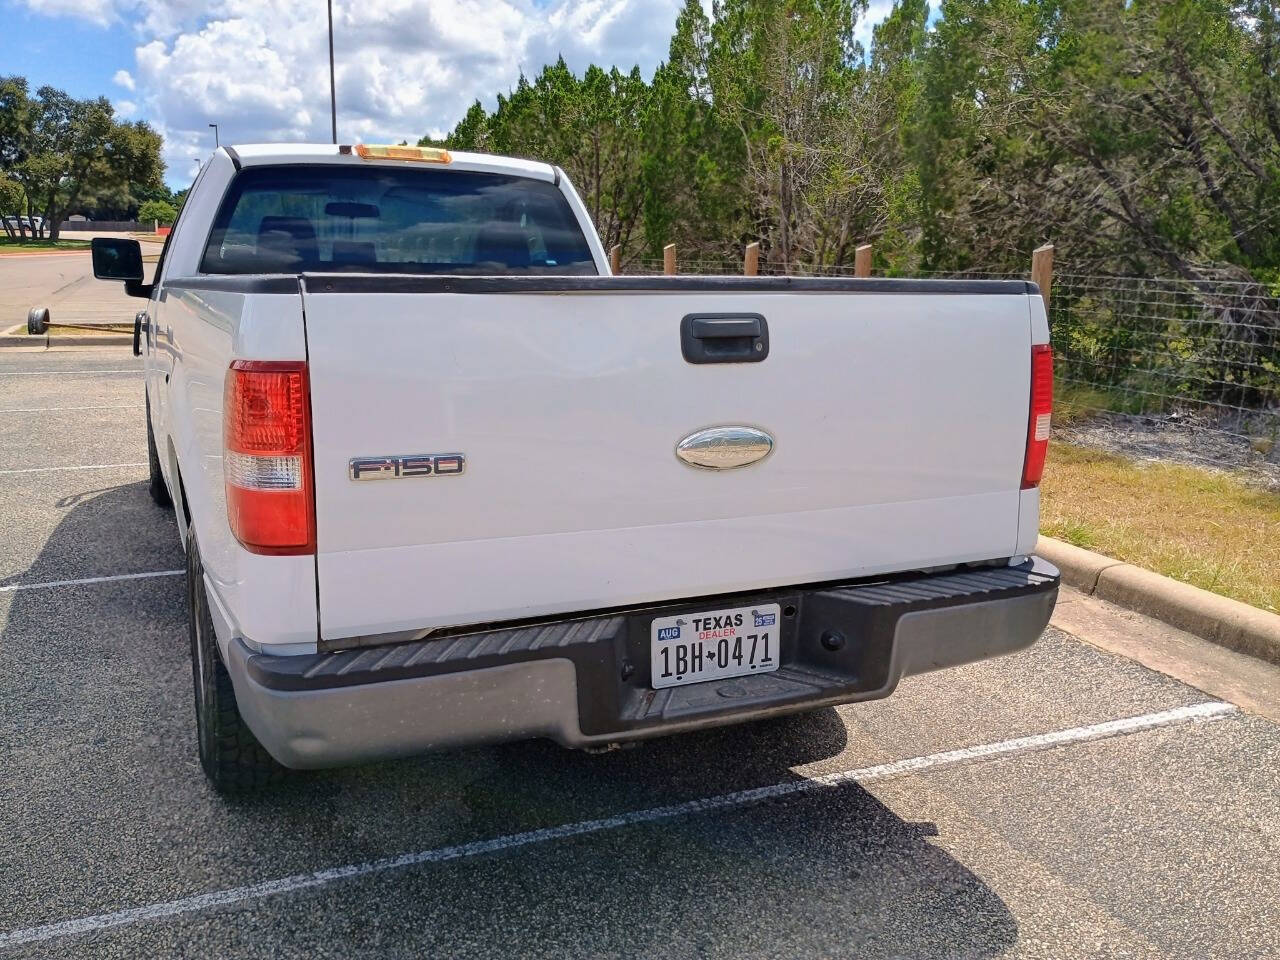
(721, 448)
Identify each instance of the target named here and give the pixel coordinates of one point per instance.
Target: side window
(168, 241)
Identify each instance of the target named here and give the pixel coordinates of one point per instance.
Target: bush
(157, 210)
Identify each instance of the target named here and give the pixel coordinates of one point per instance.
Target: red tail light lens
(267, 456)
(1041, 412)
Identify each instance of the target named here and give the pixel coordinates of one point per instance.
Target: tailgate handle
(724, 337)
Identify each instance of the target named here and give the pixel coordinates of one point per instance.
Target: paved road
(987, 811)
(64, 283)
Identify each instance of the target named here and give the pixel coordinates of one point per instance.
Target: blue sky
(67, 52)
(259, 68)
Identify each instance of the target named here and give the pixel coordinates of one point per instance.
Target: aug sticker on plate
(692, 647)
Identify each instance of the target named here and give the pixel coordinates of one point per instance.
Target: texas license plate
(692, 647)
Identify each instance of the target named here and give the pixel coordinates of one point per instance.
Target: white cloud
(259, 68)
(125, 109)
(101, 12)
(404, 67)
(876, 11)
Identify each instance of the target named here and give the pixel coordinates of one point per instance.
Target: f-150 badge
(401, 468)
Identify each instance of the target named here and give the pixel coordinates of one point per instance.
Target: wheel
(156, 484)
(232, 758)
(38, 320)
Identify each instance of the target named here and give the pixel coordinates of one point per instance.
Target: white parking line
(52, 373)
(90, 466)
(15, 587)
(739, 798)
(116, 406)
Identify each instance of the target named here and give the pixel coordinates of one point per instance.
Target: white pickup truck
(443, 480)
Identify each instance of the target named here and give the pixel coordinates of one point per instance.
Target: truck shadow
(95, 681)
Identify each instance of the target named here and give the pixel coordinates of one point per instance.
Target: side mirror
(117, 258)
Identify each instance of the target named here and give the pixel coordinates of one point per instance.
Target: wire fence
(1207, 352)
(1160, 347)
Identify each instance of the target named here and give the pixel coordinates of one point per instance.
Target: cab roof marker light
(416, 154)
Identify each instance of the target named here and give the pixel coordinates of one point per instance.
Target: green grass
(1201, 527)
(7, 244)
(1073, 402)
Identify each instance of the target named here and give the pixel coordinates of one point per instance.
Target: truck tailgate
(898, 413)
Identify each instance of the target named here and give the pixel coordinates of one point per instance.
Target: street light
(333, 91)
(215, 135)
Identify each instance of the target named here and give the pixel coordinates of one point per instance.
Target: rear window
(387, 220)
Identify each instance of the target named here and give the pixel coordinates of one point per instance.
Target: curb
(50, 340)
(1228, 623)
(17, 336)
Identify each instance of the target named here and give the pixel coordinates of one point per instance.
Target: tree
(65, 152)
(157, 210)
(15, 132)
(12, 200)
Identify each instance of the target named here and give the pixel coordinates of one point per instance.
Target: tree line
(60, 155)
(1141, 136)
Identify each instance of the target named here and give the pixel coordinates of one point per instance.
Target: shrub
(157, 210)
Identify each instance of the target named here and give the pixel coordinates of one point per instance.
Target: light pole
(215, 136)
(333, 90)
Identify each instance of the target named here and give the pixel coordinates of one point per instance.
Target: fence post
(669, 259)
(862, 260)
(751, 260)
(615, 259)
(1042, 271)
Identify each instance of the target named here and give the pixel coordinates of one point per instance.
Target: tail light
(267, 457)
(1041, 411)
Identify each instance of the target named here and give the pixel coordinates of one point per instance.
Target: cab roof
(263, 154)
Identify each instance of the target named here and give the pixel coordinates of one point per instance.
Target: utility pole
(333, 89)
(215, 136)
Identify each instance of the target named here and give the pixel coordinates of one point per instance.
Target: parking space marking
(87, 466)
(1199, 712)
(54, 373)
(15, 587)
(116, 406)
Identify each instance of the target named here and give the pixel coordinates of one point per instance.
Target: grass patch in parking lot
(8, 245)
(1201, 527)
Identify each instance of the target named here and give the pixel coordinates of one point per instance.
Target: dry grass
(1201, 527)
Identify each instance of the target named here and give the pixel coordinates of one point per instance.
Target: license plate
(692, 647)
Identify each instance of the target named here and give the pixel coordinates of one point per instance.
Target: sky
(259, 68)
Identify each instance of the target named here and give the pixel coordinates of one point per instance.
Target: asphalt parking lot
(64, 283)
(1061, 802)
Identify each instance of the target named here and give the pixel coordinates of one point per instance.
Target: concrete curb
(1228, 623)
(50, 340)
(17, 336)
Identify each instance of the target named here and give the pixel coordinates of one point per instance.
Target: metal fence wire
(1147, 346)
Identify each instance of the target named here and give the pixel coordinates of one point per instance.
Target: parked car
(442, 480)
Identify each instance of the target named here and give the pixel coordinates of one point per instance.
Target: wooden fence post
(669, 259)
(615, 259)
(862, 261)
(1042, 271)
(751, 260)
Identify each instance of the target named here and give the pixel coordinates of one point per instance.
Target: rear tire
(156, 486)
(232, 758)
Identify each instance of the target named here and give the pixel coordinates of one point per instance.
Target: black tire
(232, 758)
(156, 484)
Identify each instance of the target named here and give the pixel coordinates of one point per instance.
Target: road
(994, 810)
(64, 283)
